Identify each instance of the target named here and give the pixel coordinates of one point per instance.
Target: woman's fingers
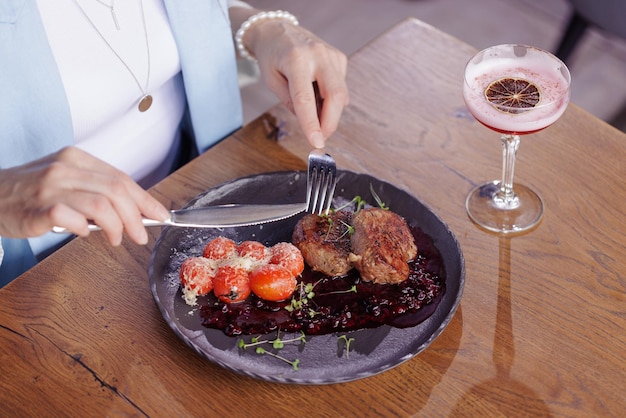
(292, 59)
(69, 188)
(305, 106)
(118, 203)
(335, 97)
(128, 197)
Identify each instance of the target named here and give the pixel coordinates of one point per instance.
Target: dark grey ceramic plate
(323, 358)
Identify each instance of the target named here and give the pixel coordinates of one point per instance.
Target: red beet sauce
(333, 308)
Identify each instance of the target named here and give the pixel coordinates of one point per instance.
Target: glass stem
(506, 196)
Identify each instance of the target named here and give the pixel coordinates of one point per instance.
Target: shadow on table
(431, 365)
(492, 395)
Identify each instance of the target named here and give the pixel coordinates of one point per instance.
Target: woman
(100, 97)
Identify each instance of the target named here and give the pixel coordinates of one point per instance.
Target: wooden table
(540, 330)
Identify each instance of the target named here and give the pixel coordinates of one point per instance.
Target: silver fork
(321, 182)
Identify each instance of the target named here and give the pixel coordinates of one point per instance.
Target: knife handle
(93, 227)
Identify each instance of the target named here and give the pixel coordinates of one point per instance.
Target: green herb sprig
(357, 201)
(352, 289)
(277, 344)
(302, 298)
(378, 200)
(348, 231)
(347, 342)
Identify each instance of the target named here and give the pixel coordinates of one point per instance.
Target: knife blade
(219, 216)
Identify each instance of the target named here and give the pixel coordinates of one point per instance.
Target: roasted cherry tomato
(254, 250)
(272, 282)
(231, 284)
(220, 249)
(196, 274)
(289, 256)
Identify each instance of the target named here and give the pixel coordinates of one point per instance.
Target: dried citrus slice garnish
(513, 95)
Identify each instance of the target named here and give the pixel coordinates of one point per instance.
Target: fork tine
(321, 180)
(319, 193)
(323, 183)
(331, 189)
(312, 188)
(326, 198)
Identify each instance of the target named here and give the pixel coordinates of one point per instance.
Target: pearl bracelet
(241, 32)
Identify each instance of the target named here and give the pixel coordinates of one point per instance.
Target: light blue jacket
(35, 117)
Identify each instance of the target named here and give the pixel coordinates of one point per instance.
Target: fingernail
(317, 140)
(164, 214)
(143, 239)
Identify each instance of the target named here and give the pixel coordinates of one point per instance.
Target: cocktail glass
(514, 90)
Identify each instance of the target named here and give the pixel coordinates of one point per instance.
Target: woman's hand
(67, 189)
(291, 60)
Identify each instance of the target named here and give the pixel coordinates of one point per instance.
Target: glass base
(517, 215)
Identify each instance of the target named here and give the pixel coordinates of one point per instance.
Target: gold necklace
(145, 101)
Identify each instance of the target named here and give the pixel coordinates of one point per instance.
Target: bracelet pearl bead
(241, 32)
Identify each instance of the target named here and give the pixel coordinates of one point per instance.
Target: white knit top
(101, 91)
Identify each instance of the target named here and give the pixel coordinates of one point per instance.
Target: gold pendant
(145, 103)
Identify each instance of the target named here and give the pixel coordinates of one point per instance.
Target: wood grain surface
(540, 329)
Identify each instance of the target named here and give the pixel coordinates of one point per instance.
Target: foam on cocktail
(537, 68)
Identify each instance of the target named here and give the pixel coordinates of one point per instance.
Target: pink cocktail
(514, 90)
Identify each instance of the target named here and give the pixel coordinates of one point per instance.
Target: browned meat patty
(325, 242)
(382, 244)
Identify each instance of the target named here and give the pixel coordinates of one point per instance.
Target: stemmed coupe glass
(514, 90)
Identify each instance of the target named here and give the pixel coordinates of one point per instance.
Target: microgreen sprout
(347, 341)
(330, 227)
(313, 312)
(295, 364)
(349, 229)
(277, 344)
(351, 290)
(378, 200)
(302, 296)
(357, 201)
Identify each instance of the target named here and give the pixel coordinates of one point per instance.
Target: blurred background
(597, 64)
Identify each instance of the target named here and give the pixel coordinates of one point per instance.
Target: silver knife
(220, 216)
